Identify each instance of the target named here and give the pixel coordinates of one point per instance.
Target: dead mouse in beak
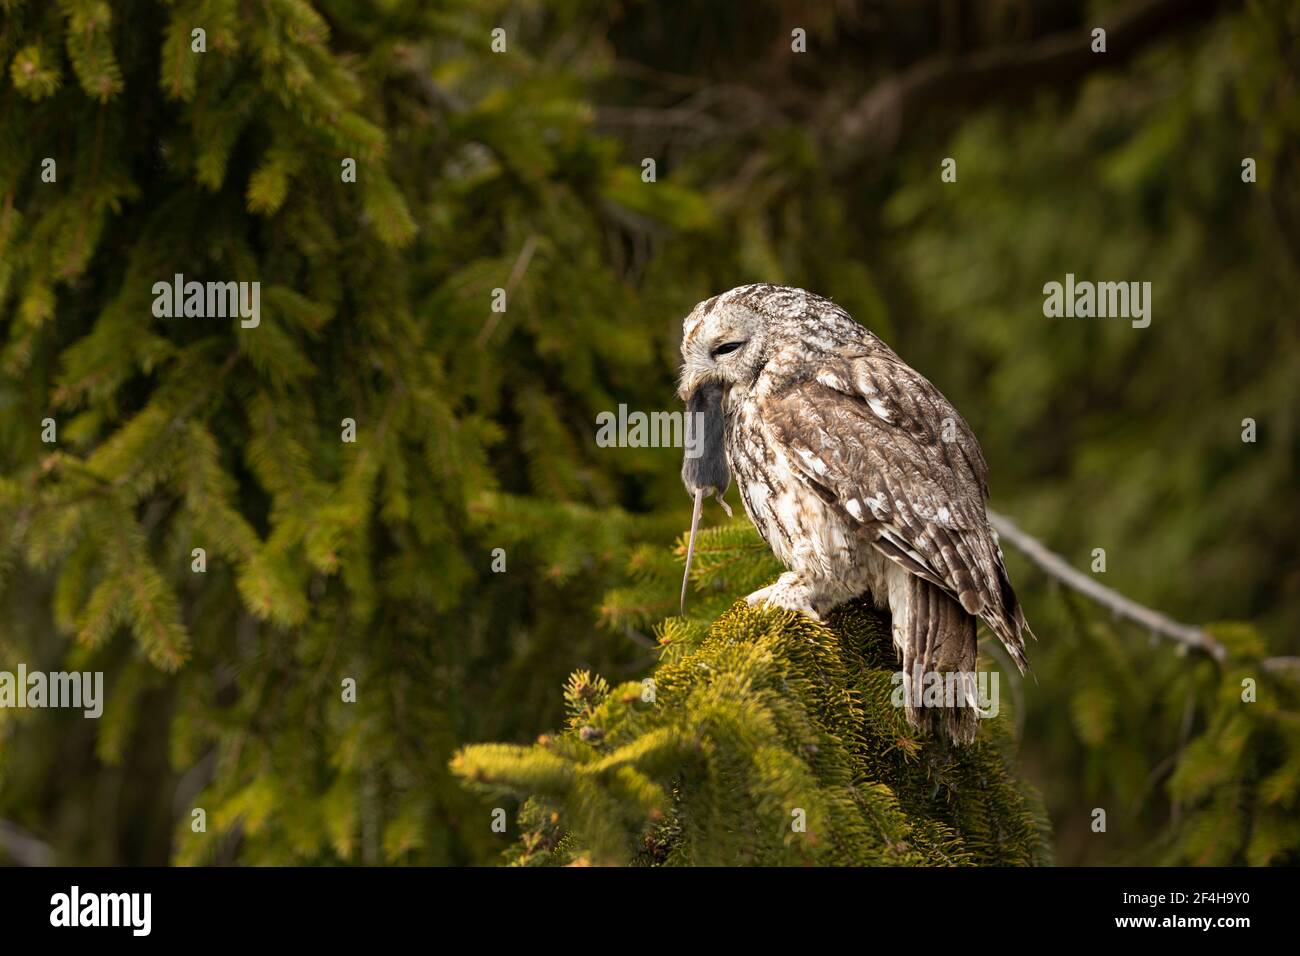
(705, 474)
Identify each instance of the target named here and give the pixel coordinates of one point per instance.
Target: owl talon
(788, 592)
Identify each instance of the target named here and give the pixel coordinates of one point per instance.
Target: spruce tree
(761, 738)
(233, 522)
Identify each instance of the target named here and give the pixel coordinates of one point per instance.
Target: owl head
(727, 339)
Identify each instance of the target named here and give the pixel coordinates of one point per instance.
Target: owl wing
(875, 439)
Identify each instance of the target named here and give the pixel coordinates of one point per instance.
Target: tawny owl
(858, 473)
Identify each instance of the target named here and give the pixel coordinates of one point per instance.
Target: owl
(860, 476)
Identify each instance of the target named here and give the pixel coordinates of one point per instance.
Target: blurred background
(514, 161)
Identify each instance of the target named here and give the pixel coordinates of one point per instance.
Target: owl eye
(726, 347)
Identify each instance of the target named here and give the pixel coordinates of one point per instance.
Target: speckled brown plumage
(858, 473)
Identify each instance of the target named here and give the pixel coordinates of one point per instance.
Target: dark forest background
(522, 170)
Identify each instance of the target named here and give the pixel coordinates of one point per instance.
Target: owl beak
(693, 376)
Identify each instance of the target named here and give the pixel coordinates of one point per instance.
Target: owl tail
(936, 639)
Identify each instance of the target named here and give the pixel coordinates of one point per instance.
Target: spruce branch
(760, 719)
(943, 82)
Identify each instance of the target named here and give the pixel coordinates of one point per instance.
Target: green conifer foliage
(223, 155)
(762, 738)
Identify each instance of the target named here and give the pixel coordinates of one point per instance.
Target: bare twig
(660, 78)
(516, 275)
(640, 638)
(1061, 570)
(614, 117)
(1159, 624)
(1058, 60)
(416, 64)
(22, 847)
